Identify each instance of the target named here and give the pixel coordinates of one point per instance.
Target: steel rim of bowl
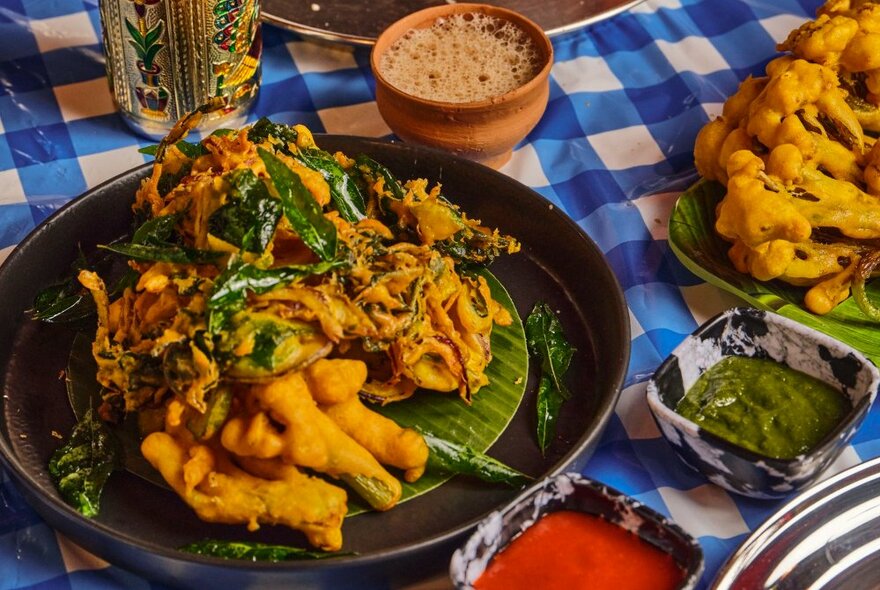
(798, 507)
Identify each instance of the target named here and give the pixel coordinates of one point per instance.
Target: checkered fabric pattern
(613, 150)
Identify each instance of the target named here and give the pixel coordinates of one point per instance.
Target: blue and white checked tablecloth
(628, 96)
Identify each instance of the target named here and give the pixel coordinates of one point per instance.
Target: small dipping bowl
(749, 332)
(572, 491)
(485, 131)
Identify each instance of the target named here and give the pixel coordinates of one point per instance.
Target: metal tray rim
(331, 36)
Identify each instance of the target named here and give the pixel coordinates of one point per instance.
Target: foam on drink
(461, 58)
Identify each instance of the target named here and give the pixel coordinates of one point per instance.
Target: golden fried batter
(306, 436)
(219, 491)
(802, 175)
(335, 384)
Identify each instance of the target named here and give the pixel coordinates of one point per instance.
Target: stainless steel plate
(827, 537)
(359, 22)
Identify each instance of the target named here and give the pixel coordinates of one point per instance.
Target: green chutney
(764, 406)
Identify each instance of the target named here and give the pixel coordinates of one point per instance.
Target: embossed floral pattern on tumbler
(168, 57)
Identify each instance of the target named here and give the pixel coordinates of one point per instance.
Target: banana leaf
(444, 415)
(694, 241)
(476, 426)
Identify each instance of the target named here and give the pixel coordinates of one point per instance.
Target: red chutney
(569, 550)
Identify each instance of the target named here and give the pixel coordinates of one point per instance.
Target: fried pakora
(272, 288)
(796, 150)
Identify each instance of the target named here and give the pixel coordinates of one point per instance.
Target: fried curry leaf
(232, 286)
(460, 459)
(547, 341)
(55, 304)
(163, 253)
(190, 150)
(169, 180)
(300, 208)
(264, 128)
(345, 193)
(152, 242)
(156, 231)
(250, 551)
(81, 467)
(373, 171)
(249, 217)
(473, 247)
(65, 301)
(549, 403)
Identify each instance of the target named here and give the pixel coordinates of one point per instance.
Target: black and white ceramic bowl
(572, 491)
(750, 332)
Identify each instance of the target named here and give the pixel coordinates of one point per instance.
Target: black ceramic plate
(140, 524)
(359, 22)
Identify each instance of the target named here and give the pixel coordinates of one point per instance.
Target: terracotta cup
(485, 130)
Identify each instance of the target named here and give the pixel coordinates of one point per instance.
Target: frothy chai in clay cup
(464, 57)
(468, 78)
